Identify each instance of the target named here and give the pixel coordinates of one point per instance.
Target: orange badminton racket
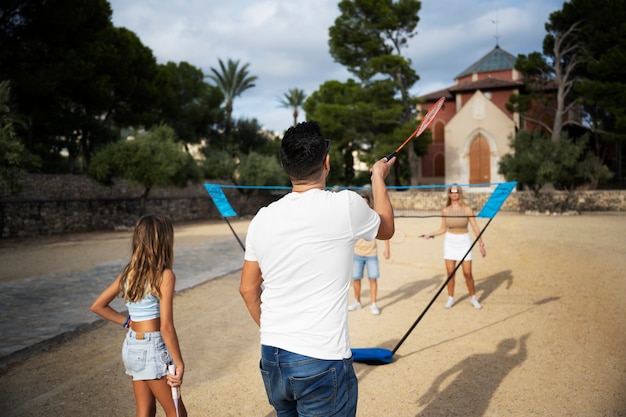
(426, 121)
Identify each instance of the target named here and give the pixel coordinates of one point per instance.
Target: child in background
(366, 256)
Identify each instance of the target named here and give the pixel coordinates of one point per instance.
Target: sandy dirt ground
(549, 341)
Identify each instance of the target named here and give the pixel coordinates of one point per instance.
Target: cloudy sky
(286, 41)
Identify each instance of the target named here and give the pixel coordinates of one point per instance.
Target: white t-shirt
(304, 244)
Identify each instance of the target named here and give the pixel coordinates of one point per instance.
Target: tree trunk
(563, 71)
(557, 126)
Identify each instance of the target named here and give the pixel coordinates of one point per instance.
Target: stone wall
(553, 202)
(57, 204)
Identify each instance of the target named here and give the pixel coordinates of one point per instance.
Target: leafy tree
(523, 165)
(248, 136)
(368, 38)
(358, 119)
(602, 90)
(602, 41)
(293, 99)
(571, 164)
(271, 145)
(187, 103)
(537, 161)
(41, 53)
(135, 93)
(218, 164)
(152, 159)
(73, 77)
(585, 43)
(259, 170)
(232, 81)
(14, 157)
(540, 104)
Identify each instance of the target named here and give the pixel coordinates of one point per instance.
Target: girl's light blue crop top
(146, 309)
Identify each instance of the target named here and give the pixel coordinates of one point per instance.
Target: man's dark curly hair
(303, 150)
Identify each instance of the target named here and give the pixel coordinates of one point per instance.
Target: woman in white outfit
(455, 218)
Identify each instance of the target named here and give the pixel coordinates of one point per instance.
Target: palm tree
(293, 99)
(232, 81)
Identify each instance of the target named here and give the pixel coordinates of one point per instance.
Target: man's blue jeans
(298, 385)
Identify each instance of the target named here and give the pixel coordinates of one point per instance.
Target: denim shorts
(147, 358)
(301, 386)
(369, 262)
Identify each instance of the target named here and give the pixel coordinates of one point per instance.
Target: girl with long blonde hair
(147, 285)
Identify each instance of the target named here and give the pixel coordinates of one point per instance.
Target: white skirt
(455, 247)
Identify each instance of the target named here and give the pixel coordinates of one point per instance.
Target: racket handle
(172, 370)
(391, 155)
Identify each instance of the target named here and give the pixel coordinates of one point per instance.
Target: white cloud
(286, 41)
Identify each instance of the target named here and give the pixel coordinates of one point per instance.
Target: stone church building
(473, 129)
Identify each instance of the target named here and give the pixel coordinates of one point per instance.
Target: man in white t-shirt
(296, 276)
